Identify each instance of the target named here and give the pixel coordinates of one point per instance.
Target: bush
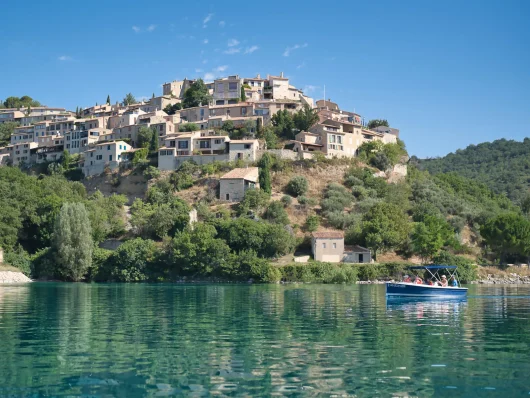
(298, 186)
(287, 200)
(151, 172)
(317, 272)
(130, 262)
(19, 259)
(312, 223)
(181, 180)
(381, 161)
(275, 213)
(307, 201)
(340, 220)
(140, 156)
(352, 181)
(467, 271)
(188, 127)
(255, 200)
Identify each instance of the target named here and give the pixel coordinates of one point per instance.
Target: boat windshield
(434, 272)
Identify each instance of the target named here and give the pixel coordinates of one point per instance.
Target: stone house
(235, 183)
(328, 246)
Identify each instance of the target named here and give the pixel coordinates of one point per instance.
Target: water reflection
(167, 340)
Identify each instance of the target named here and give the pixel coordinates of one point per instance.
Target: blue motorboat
(438, 289)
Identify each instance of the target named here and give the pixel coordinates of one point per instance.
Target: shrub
(381, 161)
(342, 220)
(312, 223)
(305, 200)
(352, 181)
(19, 259)
(181, 180)
(275, 213)
(467, 271)
(317, 272)
(298, 186)
(287, 200)
(151, 172)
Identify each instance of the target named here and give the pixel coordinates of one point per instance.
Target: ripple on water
(167, 340)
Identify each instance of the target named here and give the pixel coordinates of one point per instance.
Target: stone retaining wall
(13, 277)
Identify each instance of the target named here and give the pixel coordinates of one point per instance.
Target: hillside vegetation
(503, 165)
(51, 227)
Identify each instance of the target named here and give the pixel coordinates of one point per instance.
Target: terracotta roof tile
(328, 235)
(247, 173)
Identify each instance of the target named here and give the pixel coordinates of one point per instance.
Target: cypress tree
(108, 99)
(154, 141)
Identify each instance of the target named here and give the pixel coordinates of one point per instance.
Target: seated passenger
(406, 278)
(418, 281)
(429, 282)
(444, 281)
(454, 282)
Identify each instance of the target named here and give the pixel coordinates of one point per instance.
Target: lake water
(260, 340)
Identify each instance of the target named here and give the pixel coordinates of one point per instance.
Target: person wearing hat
(406, 278)
(444, 281)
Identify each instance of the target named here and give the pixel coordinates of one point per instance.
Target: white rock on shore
(13, 277)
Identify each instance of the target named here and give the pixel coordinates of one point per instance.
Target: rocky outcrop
(510, 279)
(13, 277)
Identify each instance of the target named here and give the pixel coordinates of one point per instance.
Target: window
(204, 144)
(227, 196)
(247, 146)
(228, 112)
(244, 111)
(334, 245)
(217, 142)
(108, 147)
(232, 86)
(161, 127)
(99, 157)
(119, 157)
(120, 147)
(220, 87)
(172, 144)
(110, 158)
(324, 245)
(91, 154)
(183, 145)
(202, 113)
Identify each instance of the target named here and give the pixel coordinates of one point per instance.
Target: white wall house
(103, 155)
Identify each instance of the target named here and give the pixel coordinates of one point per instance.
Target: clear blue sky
(447, 73)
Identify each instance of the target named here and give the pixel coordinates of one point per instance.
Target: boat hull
(402, 289)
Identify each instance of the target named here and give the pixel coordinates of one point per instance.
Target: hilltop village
(192, 120)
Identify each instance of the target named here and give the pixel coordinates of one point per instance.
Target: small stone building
(235, 183)
(328, 246)
(357, 254)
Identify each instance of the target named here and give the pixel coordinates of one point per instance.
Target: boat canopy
(433, 267)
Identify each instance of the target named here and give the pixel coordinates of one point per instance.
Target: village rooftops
(328, 235)
(249, 173)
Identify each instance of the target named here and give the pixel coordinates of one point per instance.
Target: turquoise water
(266, 340)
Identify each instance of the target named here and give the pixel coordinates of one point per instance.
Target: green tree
(283, 124)
(196, 95)
(73, 241)
(276, 213)
(108, 99)
(228, 126)
(243, 95)
(199, 251)
(265, 164)
(66, 160)
(372, 124)
(429, 236)
(153, 145)
(172, 109)
(305, 118)
(312, 223)
(131, 262)
(145, 136)
(22, 102)
(129, 99)
(6, 130)
(270, 137)
(188, 127)
(255, 199)
(297, 186)
(507, 234)
(385, 226)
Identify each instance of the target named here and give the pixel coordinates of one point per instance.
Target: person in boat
(429, 282)
(453, 281)
(418, 281)
(406, 278)
(444, 281)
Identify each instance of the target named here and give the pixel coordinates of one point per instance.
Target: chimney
(281, 74)
(258, 76)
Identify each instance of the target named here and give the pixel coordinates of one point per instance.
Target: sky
(446, 73)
